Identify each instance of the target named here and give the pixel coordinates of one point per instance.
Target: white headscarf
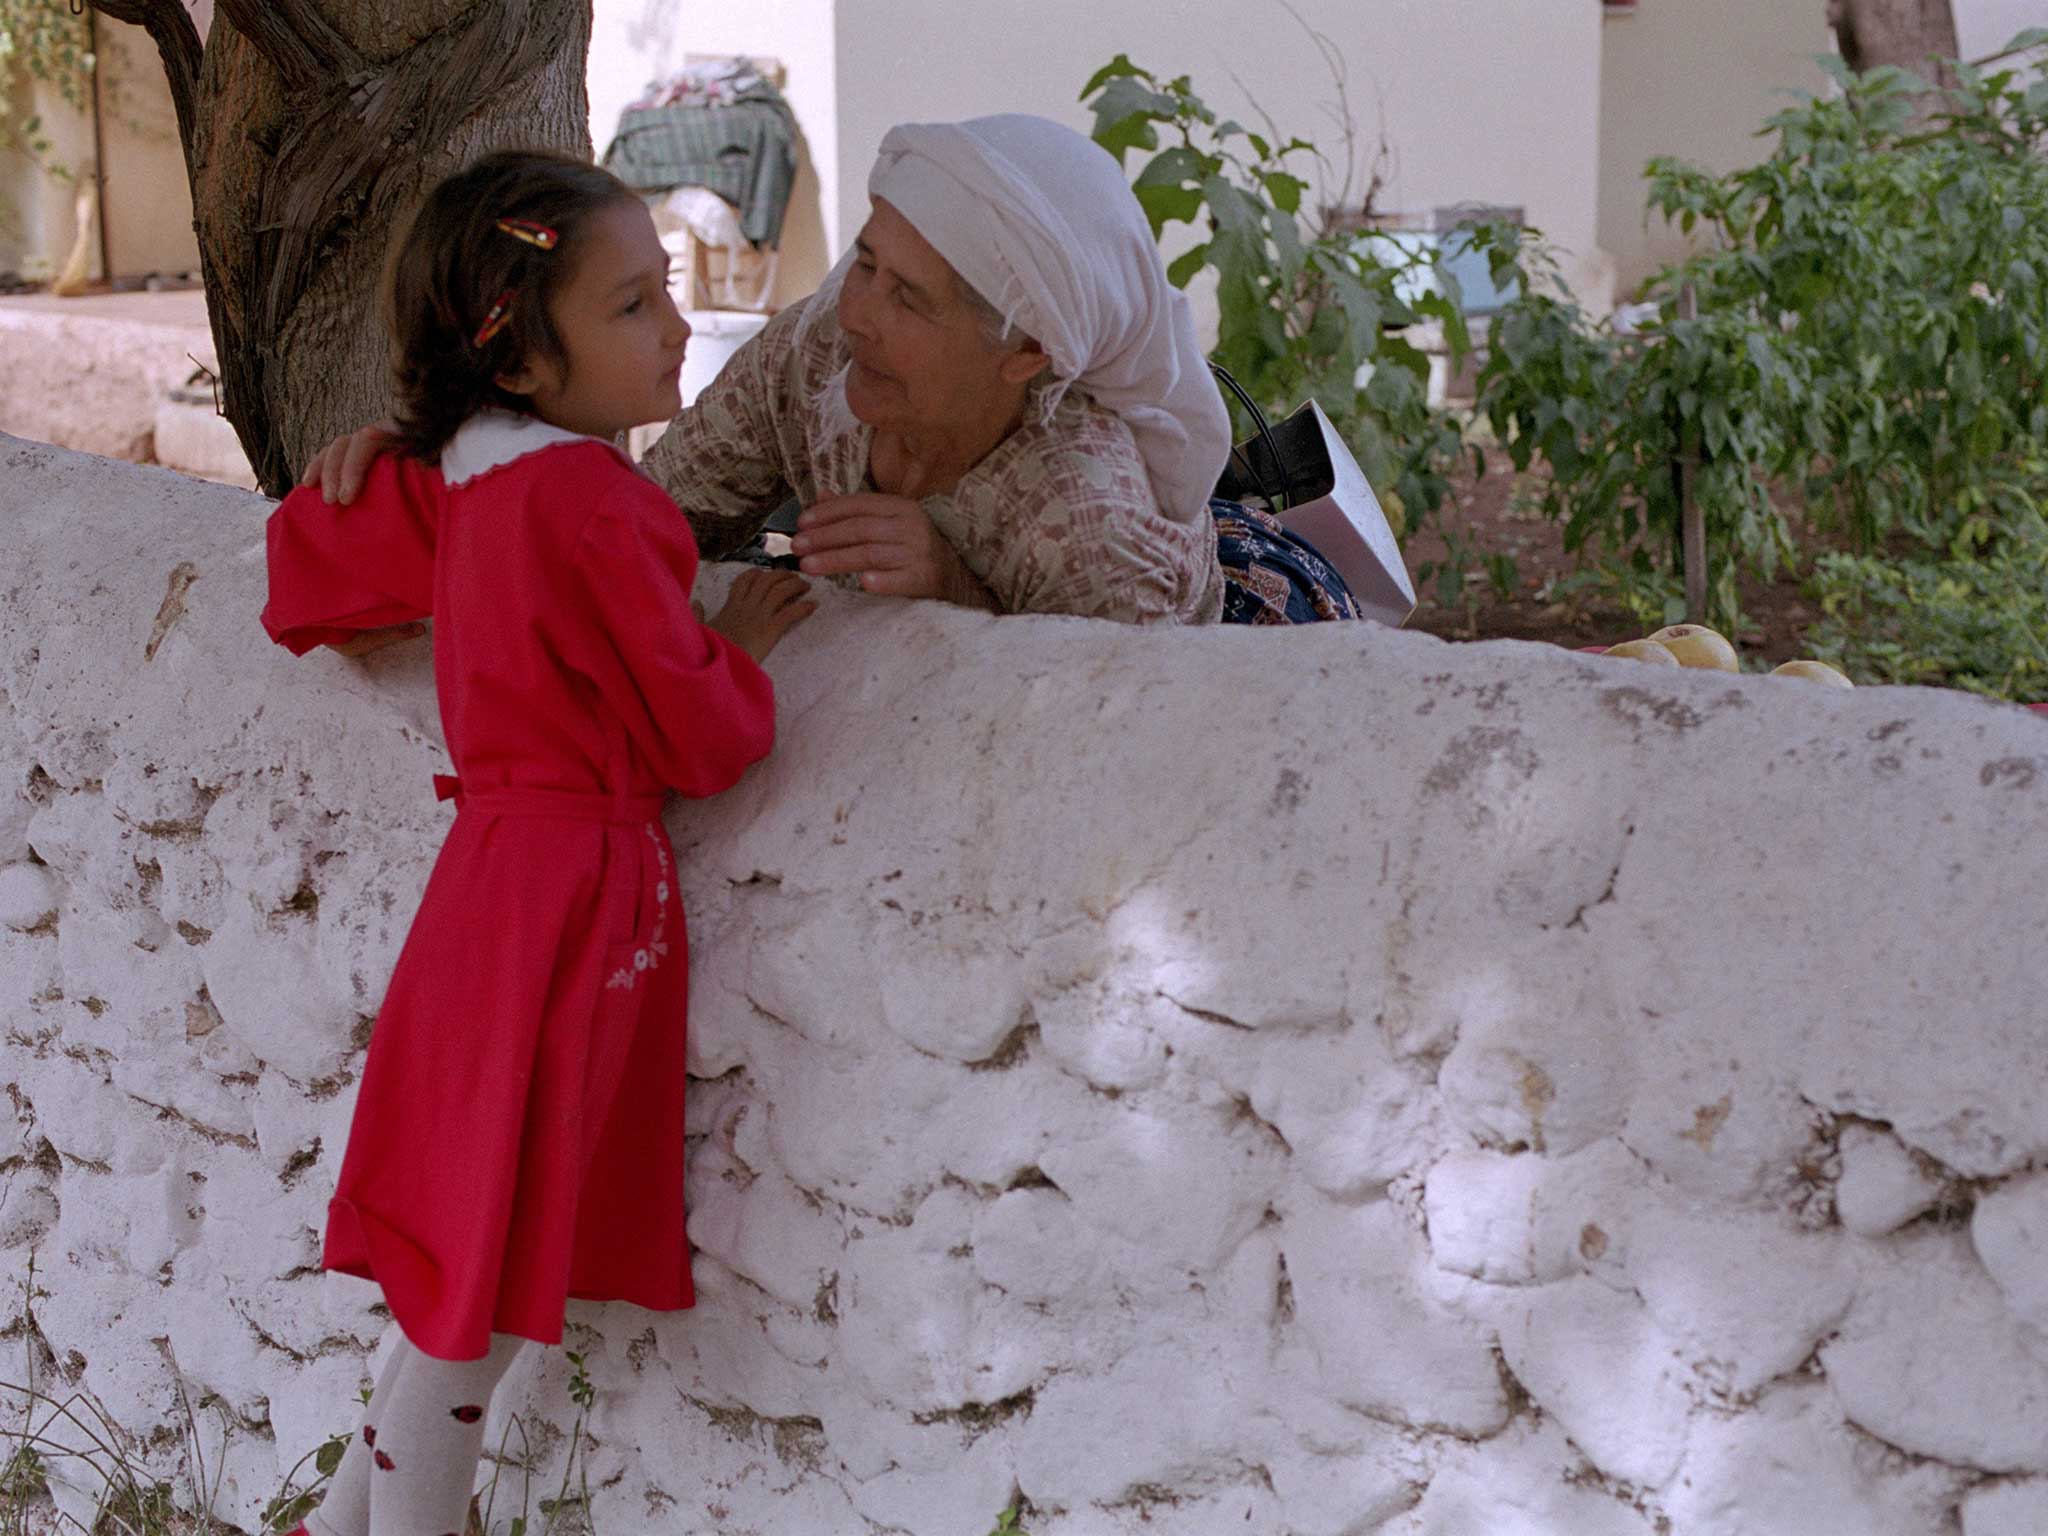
(1039, 221)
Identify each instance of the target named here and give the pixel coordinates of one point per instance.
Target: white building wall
(1479, 100)
(149, 194)
(1985, 26)
(1536, 1095)
(1697, 79)
(38, 211)
(148, 199)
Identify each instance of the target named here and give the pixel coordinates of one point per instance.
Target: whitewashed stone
(1594, 1358)
(29, 962)
(1788, 1469)
(2015, 1508)
(1382, 1343)
(28, 1209)
(1344, 1494)
(1528, 1481)
(16, 811)
(2009, 1230)
(1931, 1360)
(1882, 1187)
(1743, 1296)
(1482, 1215)
(29, 896)
(1133, 1130)
(1542, 1058)
(1518, 1219)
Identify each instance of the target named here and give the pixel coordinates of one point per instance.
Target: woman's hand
(889, 543)
(343, 465)
(761, 608)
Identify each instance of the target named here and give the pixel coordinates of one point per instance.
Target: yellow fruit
(1695, 645)
(1654, 652)
(1813, 671)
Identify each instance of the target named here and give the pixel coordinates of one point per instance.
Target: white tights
(410, 1469)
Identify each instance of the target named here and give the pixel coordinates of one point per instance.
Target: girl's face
(622, 333)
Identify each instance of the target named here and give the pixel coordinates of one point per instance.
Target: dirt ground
(1490, 517)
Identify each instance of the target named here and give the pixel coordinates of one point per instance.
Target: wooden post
(1692, 525)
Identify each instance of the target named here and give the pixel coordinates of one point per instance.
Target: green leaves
(1967, 621)
(1182, 269)
(1302, 312)
(328, 1457)
(1871, 339)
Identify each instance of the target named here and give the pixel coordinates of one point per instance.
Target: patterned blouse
(1058, 518)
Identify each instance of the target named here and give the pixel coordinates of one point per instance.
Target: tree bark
(310, 127)
(1871, 33)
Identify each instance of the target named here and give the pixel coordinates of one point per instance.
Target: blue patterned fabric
(1271, 576)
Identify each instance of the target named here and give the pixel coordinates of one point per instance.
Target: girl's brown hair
(454, 263)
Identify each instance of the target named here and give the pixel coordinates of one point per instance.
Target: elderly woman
(995, 399)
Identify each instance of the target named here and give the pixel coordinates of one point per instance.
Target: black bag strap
(1276, 501)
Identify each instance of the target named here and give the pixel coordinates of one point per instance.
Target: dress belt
(550, 803)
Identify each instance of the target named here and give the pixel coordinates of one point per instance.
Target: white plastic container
(715, 335)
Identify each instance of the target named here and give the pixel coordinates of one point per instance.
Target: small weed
(131, 1502)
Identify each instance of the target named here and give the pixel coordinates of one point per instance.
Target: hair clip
(536, 235)
(499, 317)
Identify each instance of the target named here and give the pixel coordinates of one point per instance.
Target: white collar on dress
(491, 439)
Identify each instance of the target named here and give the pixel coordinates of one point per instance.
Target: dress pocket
(629, 963)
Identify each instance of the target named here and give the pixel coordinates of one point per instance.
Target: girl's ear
(524, 381)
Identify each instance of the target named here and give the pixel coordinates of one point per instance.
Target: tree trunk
(1907, 33)
(310, 128)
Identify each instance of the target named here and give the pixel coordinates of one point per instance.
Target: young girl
(518, 1138)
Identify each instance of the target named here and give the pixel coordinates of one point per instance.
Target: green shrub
(1867, 333)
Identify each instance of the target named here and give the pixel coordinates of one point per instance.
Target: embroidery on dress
(651, 955)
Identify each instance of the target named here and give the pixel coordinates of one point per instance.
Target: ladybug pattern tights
(411, 1466)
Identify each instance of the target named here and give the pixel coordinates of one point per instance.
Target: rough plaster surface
(1324, 1082)
(92, 372)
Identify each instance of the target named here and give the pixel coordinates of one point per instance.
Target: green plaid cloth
(744, 151)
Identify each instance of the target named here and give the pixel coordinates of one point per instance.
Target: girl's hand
(889, 543)
(343, 465)
(762, 607)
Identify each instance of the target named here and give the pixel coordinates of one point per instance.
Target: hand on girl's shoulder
(340, 468)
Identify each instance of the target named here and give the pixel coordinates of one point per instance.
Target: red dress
(518, 1137)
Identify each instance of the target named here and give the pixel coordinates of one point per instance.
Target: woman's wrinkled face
(922, 362)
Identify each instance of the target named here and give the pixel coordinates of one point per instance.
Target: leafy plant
(51, 1430)
(1979, 623)
(292, 1504)
(1303, 312)
(1864, 331)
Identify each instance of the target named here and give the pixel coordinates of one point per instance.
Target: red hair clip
(499, 317)
(536, 235)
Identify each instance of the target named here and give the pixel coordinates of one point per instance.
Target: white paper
(1350, 531)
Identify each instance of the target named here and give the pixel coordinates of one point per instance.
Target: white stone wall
(1319, 1082)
